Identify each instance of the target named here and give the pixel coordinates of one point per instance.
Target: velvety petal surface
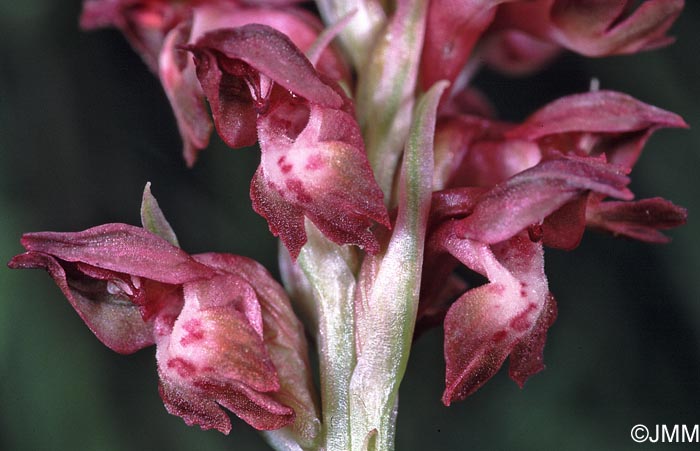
(284, 340)
(322, 173)
(237, 68)
(453, 27)
(594, 27)
(179, 80)
(121, 248)
(641, 220)
(215, 354)
(597, 111)
(301, 26)
(530, 196)
(105, 308)
(487, 323)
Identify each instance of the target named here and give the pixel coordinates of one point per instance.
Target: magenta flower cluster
(334, 123)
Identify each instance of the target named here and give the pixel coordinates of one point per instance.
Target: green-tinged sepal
(153, 219)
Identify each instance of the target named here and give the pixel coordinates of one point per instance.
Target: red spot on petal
(194, 332)
(182, 367)
(283, 165)
(297, 188)
(522, 322)
(314, 163)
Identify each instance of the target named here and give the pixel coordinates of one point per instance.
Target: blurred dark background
(84, 125)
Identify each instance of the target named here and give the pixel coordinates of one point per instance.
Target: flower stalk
(387, 295)
(333, 285)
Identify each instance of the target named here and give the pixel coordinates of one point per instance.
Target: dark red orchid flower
(521, 36)
(602, 124)
(526, 34)
(261, 87)
(158, 29)
(488, 230)
(513, 190)
(225, 334)
(504, 178)
(145, 23)
(508, 316)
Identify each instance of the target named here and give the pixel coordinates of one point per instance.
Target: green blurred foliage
(83, 126)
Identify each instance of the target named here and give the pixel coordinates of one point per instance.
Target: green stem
(386, 91)
(359, 36)
(333, 283)
(387, 298)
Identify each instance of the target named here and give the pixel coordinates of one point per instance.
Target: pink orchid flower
(526, 35)
(225, 334)
(261, 87)
(516, 188)
(603, 124)
(158, 29)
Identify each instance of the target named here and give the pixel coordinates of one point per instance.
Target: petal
(273, 54)
(487, 323)
(490, 162)
(144, 23)
(453, 203)
(298, 24)
(516, 53)
(593, 27)
(235, 67)
(195, 410)
(121, 248)
(596, 28)
(453, 28)
(596, 123)
(472, 151)
(201, 405)
(284, 219)
(599, 111)
(640, 220)
(530, 196)
(454, 138)
(107, 312)
(216, 355)
(564, 228)
(219, 334)
(260, 410)
(322, 172)
(229, 99)
(285, 342)
(526, 358)
(177, 74)
(439, 287)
